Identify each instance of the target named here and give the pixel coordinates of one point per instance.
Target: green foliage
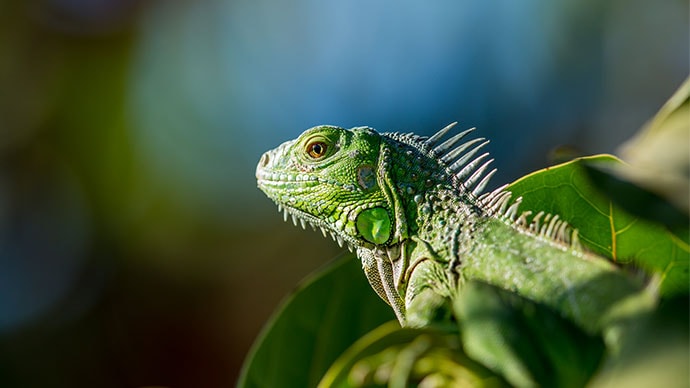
(606, 227)
(399, 356)
(527, 343)
(510, 338)
(331, 327)
(321, 319)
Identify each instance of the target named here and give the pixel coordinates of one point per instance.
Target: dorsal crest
(469, 172)
(466, 169)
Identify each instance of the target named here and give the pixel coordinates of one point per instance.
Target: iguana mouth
(268, 177)
(303, 219)
(272, 182)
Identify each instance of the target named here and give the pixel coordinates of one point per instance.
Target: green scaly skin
(412, 209)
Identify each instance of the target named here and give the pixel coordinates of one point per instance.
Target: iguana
(413, 209)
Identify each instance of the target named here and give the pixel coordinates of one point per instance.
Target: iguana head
(374, 190)
(328, 178)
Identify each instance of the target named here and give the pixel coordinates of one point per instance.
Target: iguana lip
(271, 177)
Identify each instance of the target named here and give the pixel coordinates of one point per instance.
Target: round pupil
(317, 149)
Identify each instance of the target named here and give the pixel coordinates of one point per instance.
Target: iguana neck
(432, 208)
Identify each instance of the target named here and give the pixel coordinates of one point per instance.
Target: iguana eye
(317, 149)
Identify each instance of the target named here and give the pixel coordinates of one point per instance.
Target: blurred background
(135, 249)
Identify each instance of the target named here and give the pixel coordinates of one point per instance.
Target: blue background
(135, 248)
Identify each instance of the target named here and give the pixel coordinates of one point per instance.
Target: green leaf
(659, 154)
(528, 343)
(604, 226)
(657, 354)
(399, 357)
(323, 317)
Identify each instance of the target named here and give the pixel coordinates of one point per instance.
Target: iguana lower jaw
(273, 185)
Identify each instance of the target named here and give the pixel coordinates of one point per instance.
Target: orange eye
(317, 149)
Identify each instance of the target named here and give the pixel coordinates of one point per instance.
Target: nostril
(264, 160)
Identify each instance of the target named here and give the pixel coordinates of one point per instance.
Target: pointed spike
(556, 228)
(511, 212)
(547, 217)
(499, 190)
(471, 167)
(470, 182)
(304, 224)
(450, 143)
(575, 240)
(323, 231)
(488, 199)
(522, 220)
(534, 225)
(466, 158)
(563, 233)
(438, 135)
(482, 184)
(485, 198)
(350, 248)
(280, 208)
(500, 203)
(545, 224)
(285, 215)
(340, 241)
(446, 145)
(455, 152)
(504, 209)
(294, 219)
(552, 224)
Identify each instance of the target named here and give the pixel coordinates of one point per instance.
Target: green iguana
(412, 208)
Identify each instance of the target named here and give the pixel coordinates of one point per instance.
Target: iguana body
(412, 208)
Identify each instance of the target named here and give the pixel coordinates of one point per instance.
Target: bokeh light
(135, 248)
